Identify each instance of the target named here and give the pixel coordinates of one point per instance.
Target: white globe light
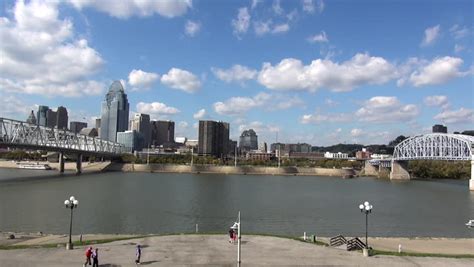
(72, 198)
(367, 208)
(66, 202)
(361, 206)
(366, 203)
(371, 206)
(76, 202)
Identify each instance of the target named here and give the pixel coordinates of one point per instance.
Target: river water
(290, 205)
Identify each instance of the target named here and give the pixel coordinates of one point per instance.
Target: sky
(321, 72)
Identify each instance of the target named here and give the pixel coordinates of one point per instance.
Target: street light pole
(239, 251)
(366, 208)
(235, 157)
(70, 203)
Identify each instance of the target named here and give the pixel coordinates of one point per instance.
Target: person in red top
(88, 256)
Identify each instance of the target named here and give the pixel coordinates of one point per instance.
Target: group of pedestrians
(92, 256)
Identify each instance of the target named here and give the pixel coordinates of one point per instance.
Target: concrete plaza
(215, 250)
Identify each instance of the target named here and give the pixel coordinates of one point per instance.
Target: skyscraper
(31, 119)
(42, 115)
(114, 113)
(248, 140)
(213, 138)
(141, 124)
(51, 118)
(162, 132)
(61, 118)
(77, 126)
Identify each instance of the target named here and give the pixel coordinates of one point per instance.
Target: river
(158, 203)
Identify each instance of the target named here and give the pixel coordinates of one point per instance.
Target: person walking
(231, 235)
(138, 254)
(95, 257)
(88, 256)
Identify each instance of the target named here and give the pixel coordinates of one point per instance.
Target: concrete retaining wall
(258, 170)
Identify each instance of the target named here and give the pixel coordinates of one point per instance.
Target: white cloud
(192, 28)
(437, 101)
(431, 34)
(362, 69)
(386, 109)
(459, 32)
(356, 132)
(242, 23)
(439, 71)
(262, 27)
(280, 28)
(141, 79)
(260, 128)
(330, 102)
(15, 108)
(310, 6)
(237, 73)
(200, 114)
(270, 102)
(255, 3)
(239, 105)
(181, 80)
(327, 118)
(124, 9)
(458, 48)
(156, 109)
(462, 115)
(318, 38)
(39, 54)
(378, 109)
(277, 7)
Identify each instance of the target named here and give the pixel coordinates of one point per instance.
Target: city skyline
(318, 72)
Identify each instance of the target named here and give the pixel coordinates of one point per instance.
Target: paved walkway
(215, 250)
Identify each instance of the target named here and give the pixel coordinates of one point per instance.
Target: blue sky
(321, 72)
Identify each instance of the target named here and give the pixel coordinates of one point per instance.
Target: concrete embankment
(253, 170)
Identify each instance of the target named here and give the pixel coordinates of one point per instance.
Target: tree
(397, 140)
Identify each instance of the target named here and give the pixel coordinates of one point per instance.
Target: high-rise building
(438, 128)
(31, 119)
(131, 139)
(162, 132)
(97, 123)
(141, 124)
(114, 113)
(42, 115)
(51, 118)
(213, 138)
(248, 140)
(61, 118)
(77, 126)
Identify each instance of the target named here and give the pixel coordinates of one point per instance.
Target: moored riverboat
(33, 166)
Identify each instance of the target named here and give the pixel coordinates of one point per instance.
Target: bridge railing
(436, 146)
(13, 132)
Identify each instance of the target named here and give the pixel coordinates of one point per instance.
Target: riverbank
(215, 249)
(242, 170)
(68, 166)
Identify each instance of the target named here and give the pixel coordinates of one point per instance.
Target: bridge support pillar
(399, 170)
(370, 170)
(61, 162)
(471, 182)
(383, 172)
(79, 164)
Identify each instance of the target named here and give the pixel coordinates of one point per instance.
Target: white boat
(470, 223)
(33, 166)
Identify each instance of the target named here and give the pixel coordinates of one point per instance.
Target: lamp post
(366, 208)
(70, 203)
